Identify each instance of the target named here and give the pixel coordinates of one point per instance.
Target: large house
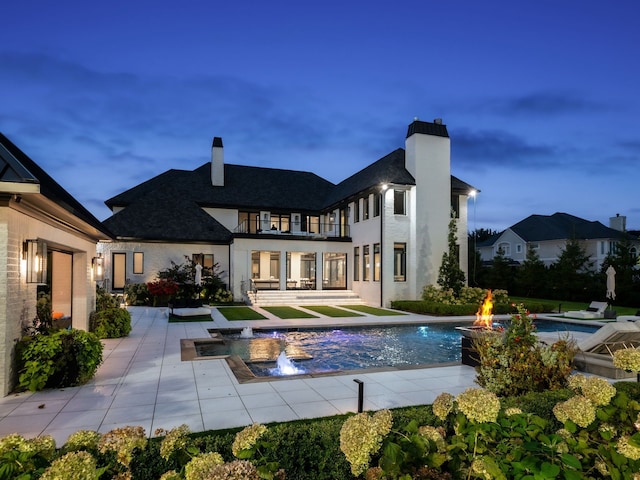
(47, 244)
(381, 233)
(548, 236)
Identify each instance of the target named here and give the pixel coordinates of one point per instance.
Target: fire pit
(482, 326)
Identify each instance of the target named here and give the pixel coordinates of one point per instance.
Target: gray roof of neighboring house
(559, 226)
(17, 167)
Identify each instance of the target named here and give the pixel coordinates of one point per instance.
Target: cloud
(544, 103)
(494, 148)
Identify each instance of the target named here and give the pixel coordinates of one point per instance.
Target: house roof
(151, 206)
(537, 228)
(166, 214)
(17, 171)
(244, 187)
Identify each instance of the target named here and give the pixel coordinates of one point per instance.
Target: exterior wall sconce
(97, 264)
(35, 253)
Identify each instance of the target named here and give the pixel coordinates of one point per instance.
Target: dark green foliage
(433, 308)
(111, 323)
(137, 294)
(501, 274)
(148, 464)
(309, 450)
(105, 300)
(450, 275)
(531, 276)
(62, 358)
(627, 275)
(539, 403)
(572, 274)
(631, 389)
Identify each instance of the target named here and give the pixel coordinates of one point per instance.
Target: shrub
(513, 362)
(105, 300)
(111, 323)
(137, 294)
(62, 358)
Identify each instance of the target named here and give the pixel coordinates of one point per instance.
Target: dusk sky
(541, 99)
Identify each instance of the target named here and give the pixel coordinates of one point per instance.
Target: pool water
(352, 348)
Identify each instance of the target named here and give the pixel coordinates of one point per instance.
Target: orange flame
(484, 317)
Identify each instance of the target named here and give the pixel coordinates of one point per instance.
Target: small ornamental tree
(450, 275)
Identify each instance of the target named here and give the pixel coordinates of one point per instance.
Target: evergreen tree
(572, 275)
(500, 275)
(450, 274)
(531, 277)
(624, 262)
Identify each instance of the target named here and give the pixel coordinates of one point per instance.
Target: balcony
(316, 231)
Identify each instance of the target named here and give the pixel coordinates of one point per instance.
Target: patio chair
(594, 310)
(611, 337)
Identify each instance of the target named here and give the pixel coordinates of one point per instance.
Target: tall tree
(624, 261)
(450, 274)
(500, 275)
(572, 275)
(531, 277)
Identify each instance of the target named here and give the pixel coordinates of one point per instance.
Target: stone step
(321, 297)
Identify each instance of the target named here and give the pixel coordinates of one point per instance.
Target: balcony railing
(316, 230)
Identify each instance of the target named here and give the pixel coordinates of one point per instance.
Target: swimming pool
(354, 348)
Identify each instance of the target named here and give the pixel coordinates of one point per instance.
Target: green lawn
(380, 312)
(566, 306)
(331, 311)
(288, 312)
(240, 313)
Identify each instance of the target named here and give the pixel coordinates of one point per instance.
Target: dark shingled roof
(244, 187)
(389, 169)
(167, 215)
(16, 166)
(537, 228)
(149, 210)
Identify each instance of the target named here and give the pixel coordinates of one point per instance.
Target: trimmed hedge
(440, 309)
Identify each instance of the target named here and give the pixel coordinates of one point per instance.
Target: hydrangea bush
(473, 437)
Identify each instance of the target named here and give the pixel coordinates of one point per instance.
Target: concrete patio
(143, 381)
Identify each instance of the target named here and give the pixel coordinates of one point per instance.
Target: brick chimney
(217, 163)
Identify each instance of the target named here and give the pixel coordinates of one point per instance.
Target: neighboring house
(548, 236)
(381, 232)
(48, 244)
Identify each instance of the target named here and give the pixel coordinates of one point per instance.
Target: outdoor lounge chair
(595, 353)
(611, 337)
(594, 310)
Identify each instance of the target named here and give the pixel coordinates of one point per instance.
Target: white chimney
(619, 222)
(217, 163)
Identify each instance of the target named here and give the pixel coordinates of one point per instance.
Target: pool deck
(143, 381)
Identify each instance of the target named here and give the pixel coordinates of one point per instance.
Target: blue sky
(541, 99)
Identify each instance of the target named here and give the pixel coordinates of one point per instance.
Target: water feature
(247, 332)
(352, 348)
(284, 366)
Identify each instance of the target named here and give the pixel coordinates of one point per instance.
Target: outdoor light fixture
(35, 253)
(97, 263)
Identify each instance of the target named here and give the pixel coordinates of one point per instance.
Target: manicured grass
(189, 318)
(288, 312)
(240, 313)
(331, 311)
(380, 312)
(567, 306)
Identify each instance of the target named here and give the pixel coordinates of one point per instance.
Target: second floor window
(365, 208)
(399, 202)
